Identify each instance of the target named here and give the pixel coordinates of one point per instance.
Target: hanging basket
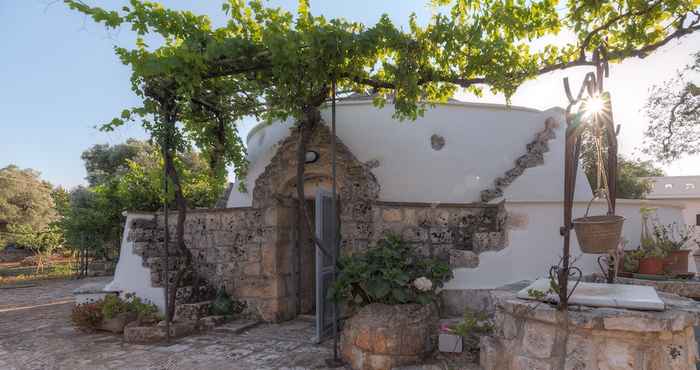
(598, 234)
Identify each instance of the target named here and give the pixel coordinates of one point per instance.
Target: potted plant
(673, 238)
(391, 292)
(651, 260)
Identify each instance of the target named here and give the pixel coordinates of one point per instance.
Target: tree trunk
(183, 252)
(307, 126)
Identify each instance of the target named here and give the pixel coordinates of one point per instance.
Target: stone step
(192, 311)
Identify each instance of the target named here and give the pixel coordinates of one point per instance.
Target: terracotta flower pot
(651, 266)
(677, 262)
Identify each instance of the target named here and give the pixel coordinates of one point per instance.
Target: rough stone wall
(453, 232)
(241, 249)
(534, 156)
(357, 187)
(532, 335)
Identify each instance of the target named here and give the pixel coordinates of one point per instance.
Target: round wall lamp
(311, 156)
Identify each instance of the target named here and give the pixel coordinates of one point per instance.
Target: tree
(25, 201)
(673, 109)
(631, 173)
(271, 63)
(104, 161)
(41, 242)
(124, 177)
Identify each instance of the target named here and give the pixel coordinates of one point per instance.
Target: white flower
(423, 284)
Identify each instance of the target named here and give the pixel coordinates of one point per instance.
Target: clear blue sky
(60, 78)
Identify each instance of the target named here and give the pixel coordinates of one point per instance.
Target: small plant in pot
(651, 257)
(673, 238)
(391, 291)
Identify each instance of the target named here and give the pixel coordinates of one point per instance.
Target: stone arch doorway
(275, 191)
(304, 257)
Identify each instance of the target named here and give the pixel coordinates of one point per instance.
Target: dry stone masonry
(456, 233)
(536, 336)
(258, 256)
(532, 158)
(241, 249)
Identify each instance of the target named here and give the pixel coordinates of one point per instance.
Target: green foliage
(630, 261)
(87, 316)
(26, 204)
(225, 306)
(674, 236)
(126, 177)
(387, 273)
(630, 173)
(43, 242)
(473, 325)
(673, 109)
(273, 64)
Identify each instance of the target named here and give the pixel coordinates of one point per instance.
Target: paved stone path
(35, 333)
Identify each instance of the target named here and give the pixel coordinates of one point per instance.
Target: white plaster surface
(482, 142)
(130, 275)
(604, 295)
(535, 244)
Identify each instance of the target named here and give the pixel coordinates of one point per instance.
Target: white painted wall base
(130, 275)
(534, 243)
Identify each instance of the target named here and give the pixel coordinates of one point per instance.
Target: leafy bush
(87, 316)
(112, 306)
(224, 305)
(390, 272)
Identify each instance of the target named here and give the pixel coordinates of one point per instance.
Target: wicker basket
(598, 234)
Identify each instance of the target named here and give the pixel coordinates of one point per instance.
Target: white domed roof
(481, 143)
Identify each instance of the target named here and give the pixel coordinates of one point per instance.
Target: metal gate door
(325, 231)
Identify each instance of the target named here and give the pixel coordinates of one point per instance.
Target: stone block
(461, 258)
(392, 215)
(213, 221)
(616, 355)
(210, 322)
(526, 363)
(634, 323)
(579, 352)
(143, 334)
(252, 269)
(192, 311)
(538, 339)
(440, 235)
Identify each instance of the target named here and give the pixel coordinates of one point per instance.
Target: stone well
(535, 336)
(383, 336)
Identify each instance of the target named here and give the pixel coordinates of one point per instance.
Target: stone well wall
(242, 249)
(453, 232)
(535, 336)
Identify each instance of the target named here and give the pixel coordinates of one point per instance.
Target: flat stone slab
(90, 288)
(604, 295)
(683, 288)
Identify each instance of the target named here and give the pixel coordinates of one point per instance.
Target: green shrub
(390, 272)
(112, 306)
(87, 316)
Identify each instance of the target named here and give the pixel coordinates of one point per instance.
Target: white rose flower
(423, 284)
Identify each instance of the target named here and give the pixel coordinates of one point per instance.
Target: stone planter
(651, 266)
(117, 323)
(536, 336)
(133, 333)
(381, 336)
(676, 262)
